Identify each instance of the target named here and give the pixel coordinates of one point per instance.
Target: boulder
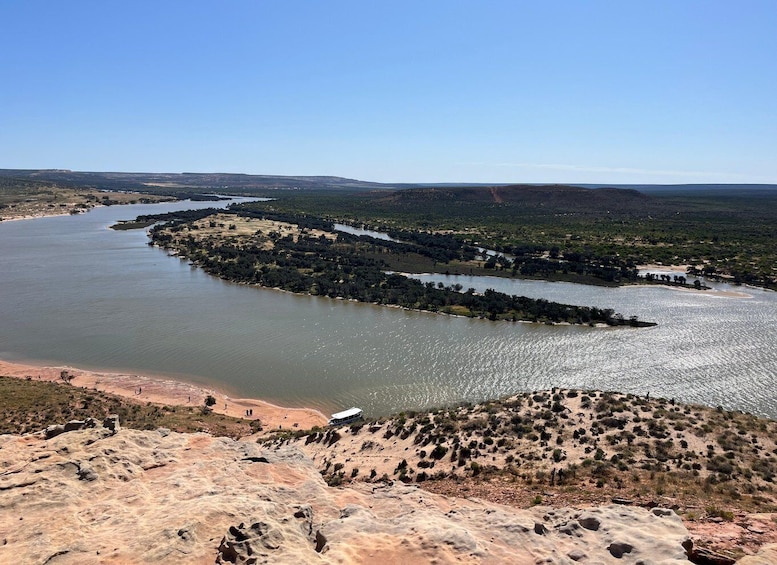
(112, 423)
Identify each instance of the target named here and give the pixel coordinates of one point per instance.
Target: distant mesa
(557, 197)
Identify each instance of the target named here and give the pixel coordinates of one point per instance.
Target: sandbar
(663, 268)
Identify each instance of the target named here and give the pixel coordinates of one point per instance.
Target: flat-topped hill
(560, 198)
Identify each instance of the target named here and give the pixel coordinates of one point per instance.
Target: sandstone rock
(89, 496)
(305, 513)
(620, 548)
(112, 423)
(570, 529)
(590, 522)
(320, 541)
(767, 555)
(73, 425)
(702, 556)
(54, 430)
(253, 544)
(256, 459)
(86, 473)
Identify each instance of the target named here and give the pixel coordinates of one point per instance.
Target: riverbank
(31, 204)
(34, 216)
(166, 391)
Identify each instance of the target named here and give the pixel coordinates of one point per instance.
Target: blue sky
(423, 91)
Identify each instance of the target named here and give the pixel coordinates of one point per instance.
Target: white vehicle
(346, 417)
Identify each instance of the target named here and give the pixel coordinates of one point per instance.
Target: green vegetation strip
(316, 261)
(604, 234)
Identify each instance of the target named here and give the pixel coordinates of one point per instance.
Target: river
(75, 292)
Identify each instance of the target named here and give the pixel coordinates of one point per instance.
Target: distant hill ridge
(199, 181)
(558, 197)
(107, 180)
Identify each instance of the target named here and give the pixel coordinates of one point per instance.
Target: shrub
(720, 464)
(715, 512)
(401, 467)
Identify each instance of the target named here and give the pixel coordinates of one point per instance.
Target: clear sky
(620, 91)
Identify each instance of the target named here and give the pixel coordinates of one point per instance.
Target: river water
(74, 292)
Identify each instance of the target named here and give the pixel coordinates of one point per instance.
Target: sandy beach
(682, 269)
(159, 390)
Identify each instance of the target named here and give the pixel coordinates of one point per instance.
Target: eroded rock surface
(95, 495)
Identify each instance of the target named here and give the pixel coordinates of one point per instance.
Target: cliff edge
(101, 495)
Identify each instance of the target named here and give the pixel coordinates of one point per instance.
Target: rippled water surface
(77, 293)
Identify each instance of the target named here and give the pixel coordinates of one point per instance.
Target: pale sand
(714, 292)
(663, 268)
(684, 269)
(158, 390)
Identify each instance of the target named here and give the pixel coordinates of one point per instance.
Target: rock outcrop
(100, 495)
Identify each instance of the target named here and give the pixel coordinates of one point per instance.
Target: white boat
(346, 417)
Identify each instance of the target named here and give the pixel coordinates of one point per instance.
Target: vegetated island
(560, 472)
(304, 254)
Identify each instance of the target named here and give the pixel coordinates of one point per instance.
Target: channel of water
(75, 292)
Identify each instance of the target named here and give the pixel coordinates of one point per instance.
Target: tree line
(354, 268)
